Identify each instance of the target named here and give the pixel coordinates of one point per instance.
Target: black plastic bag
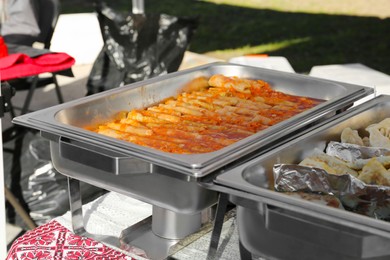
(138, 47)
(44, 189)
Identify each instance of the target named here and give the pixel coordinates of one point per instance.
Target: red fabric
(3, 48)
(55, 242)
(20, 65)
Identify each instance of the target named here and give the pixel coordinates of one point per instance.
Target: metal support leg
(76, 210)
(16, 171)
(218, 223)
(30, 93)
(76, 204)
(58, 90)
(138, 7)
(244, 254)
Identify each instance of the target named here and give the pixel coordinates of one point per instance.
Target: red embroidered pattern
(52, 241)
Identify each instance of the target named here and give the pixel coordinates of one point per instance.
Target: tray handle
(101, 158)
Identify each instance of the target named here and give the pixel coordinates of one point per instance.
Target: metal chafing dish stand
(278, 226)
(174, 184)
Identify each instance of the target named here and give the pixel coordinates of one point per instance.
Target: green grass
(306, 32)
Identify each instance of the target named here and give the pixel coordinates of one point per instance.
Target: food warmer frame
(136, 171)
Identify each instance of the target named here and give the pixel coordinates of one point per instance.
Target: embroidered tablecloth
(53, 241)
(108, 215)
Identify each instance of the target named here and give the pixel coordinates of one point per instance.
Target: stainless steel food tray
(67, 120)
(266, 217)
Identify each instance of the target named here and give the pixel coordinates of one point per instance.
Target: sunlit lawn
(306, 32)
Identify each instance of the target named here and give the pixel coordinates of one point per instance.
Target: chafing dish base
(158, 236)
(281, 234)
(169, 181)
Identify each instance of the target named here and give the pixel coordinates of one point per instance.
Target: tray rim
(193, 165)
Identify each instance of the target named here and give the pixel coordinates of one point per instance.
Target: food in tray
(209, 115)
(351, 136)
(353, 194)
(367, 158)
(380, 134)
(375, 173)
(332, 165)
(356, 171)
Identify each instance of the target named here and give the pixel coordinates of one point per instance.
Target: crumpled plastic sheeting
(355, 195)
(138, 47)
(44, 189)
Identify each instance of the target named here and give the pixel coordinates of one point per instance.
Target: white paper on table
(266, 62)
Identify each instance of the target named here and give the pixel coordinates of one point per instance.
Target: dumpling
(375, 173)
(360, 163)
(328, 163)
(380, 134)
(351, 136)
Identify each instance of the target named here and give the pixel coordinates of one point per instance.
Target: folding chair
(49, 11)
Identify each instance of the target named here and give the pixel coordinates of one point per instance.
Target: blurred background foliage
(306, 32)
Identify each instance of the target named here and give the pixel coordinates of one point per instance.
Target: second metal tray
(274, 224)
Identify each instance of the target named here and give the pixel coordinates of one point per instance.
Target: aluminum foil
(356, 155)
(355, 195)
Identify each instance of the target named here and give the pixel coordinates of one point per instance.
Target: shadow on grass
(327, 39)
